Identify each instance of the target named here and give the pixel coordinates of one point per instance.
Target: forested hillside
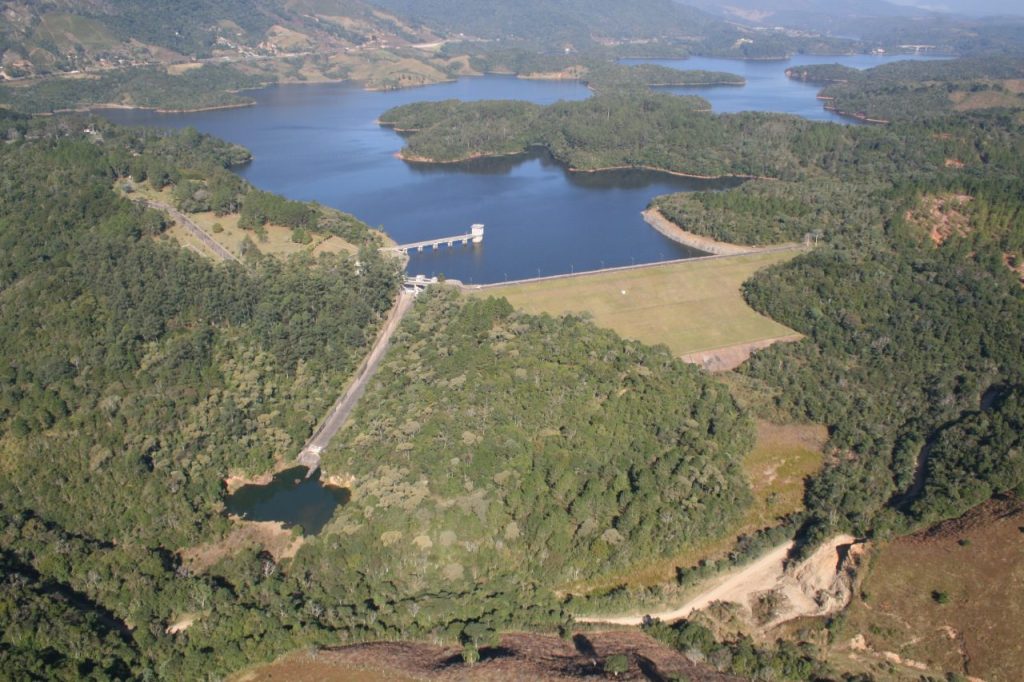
(133, 376)
(547, 22)
(681, 134)
(913, 90)
(911, 305)
(545, 448)
(63, 54)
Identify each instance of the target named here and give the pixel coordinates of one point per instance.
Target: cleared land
(689, 306)
(275, 241)
(518, 656)
(784, 456)
(810, 588)
(947, 599)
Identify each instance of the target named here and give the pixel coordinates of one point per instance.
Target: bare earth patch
(270, 536)
(821, 584)
(731, 357)
(518, 656)
(184, 622)
(1016, 265)
(941, 216)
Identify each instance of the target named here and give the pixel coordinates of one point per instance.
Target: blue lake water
(767, 87)
(322, 142)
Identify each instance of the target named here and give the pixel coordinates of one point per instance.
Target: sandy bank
(659, 222)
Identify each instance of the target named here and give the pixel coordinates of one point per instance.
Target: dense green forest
(210, 86)
(680, 134)
(539, 446)
(913, 90)
(905, 336)
(134, 375)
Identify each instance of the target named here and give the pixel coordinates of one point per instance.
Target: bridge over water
(475, 235)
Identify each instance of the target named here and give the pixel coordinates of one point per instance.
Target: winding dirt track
(760, 575)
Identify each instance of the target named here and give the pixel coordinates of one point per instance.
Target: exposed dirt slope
(819, 585)
(519, 656)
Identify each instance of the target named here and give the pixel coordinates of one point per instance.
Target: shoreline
(134, 107)
(659, 222)
(857, 117)
(410, 158)
(680, 174)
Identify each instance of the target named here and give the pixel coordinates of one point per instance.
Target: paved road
(343, 406)
(196, 231)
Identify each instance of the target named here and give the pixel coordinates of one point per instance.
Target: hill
(65, 35)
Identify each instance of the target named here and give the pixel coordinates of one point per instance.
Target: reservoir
(290, 498)
(767, 87)
(322, 143)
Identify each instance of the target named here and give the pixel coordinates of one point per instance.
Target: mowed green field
(689, 307)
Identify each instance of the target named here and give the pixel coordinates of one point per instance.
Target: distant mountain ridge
(557, 19)
(65, 35)
(804, 13)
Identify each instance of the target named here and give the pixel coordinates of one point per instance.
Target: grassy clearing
(783, 457)
(178, 69)
(68, 30)
(689, 307)
(950, 597)
(187, 240)
(277, 242)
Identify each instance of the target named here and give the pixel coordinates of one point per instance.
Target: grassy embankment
(689, 307)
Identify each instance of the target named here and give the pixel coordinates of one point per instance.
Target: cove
(290, 498)
(322, 143)
(767, 87)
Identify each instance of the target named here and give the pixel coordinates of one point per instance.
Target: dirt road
(343, 406)
(760, 575)
(197, 232)
(820, 584)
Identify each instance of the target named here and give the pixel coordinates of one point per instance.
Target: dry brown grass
(270, 536)
(178, 69)
(784, 456)
(990, 99)
(278, 241)
(977, 562)
(518, 656)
